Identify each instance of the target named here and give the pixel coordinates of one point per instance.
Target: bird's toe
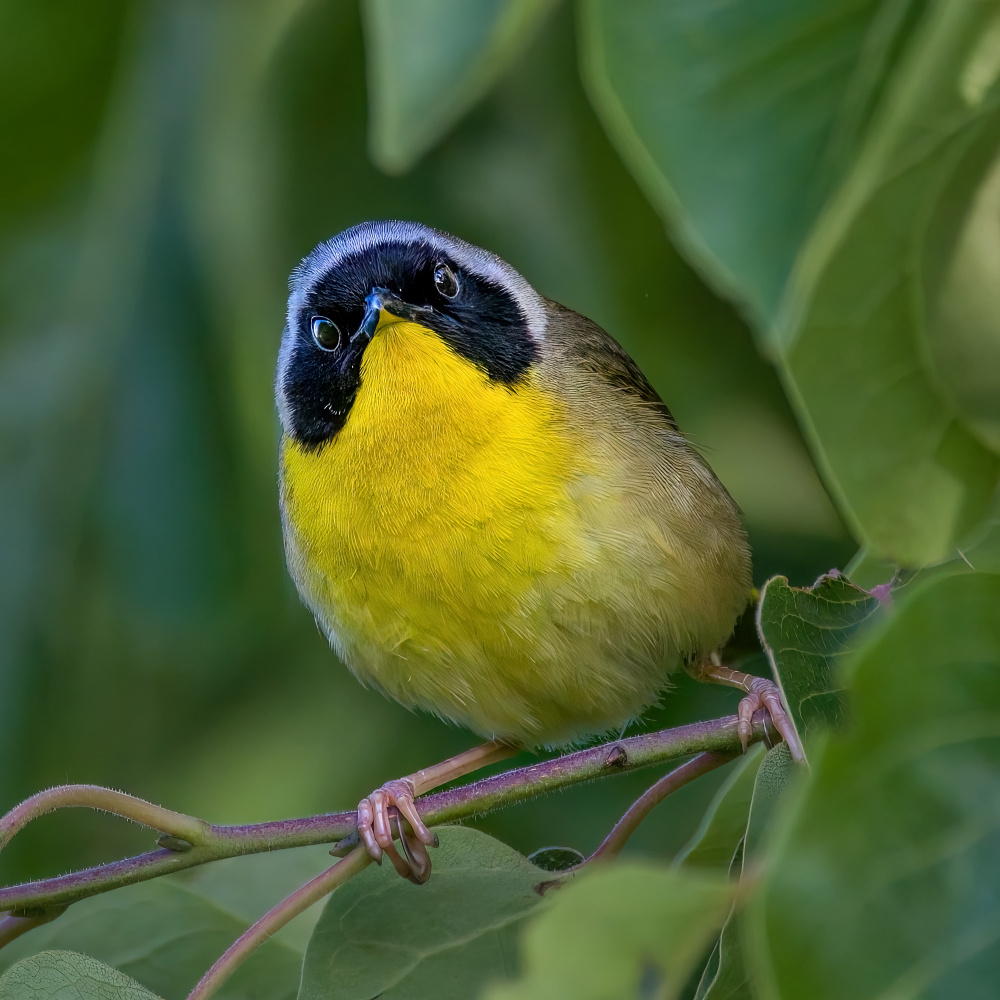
(764, 693)
(390, 812)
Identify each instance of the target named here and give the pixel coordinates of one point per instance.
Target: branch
(183, 829)
(13, 927)
(276, 918)
(653, 796)
(202, 842)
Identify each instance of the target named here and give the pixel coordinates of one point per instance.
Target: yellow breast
(423, 525)
(470, 550)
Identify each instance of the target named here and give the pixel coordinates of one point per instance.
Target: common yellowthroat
(488, 509)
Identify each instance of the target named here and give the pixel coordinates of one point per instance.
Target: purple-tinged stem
(214, 842)
(13, 927)
(276, 918)
(186, 828)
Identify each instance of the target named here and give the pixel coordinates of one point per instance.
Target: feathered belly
(531, 626)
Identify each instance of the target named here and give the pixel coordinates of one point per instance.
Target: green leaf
(963, 331)
(861, 132)
(429, 61)
(777, 770)
(722, 828)
(727, 114)
(383, 936)
(64, 975)
(625, 930)
(166, 936)
(911, 478)
(883, 882)
(726, 976)
(805, 633)
(248, 887)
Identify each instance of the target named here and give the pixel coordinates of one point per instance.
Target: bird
(490, 512)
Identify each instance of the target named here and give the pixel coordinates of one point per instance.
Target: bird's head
(377, 273)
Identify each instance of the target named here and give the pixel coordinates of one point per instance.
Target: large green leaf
(805, 633)
(911, 478)
(963, 332)
(429, 61)
(165, 936)
(818, 161)
(884, 881)
(64, 975)
(623, 930)
(727, 115)
(383, 936)
(247, 887)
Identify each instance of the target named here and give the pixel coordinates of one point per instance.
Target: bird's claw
(764, 693)
(377, 826)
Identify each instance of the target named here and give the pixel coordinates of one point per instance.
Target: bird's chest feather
(443, 495)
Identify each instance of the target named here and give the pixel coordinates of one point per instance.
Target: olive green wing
(595, 351)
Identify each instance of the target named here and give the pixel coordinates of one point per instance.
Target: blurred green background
(165, 164)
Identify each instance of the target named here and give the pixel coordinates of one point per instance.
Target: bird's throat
(442, 486)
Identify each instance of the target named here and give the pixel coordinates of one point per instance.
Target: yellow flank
(464, 556)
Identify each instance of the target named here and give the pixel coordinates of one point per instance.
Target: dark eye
(445, 281)
(326, 333)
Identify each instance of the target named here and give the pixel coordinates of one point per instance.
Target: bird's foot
(760, 693)
(391, 806)
(764, 693)
(390, 810)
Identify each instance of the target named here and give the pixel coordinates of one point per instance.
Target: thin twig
(289, 908)
(211, 843)
(12, 927)
(653, 796)
(184, 828)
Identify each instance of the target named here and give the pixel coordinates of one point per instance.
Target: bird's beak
(374, 304)
(381, 304)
